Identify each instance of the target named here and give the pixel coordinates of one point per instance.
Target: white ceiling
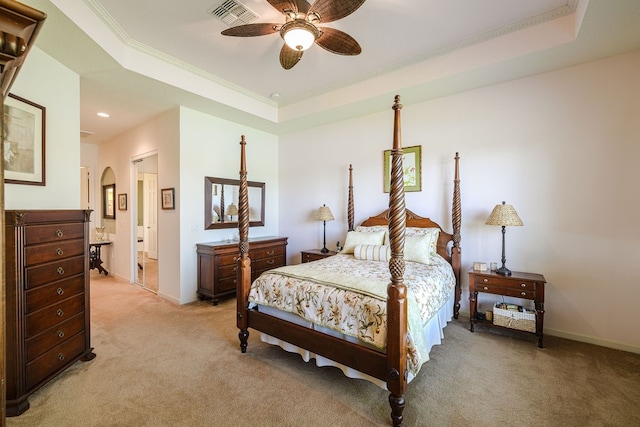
(139, 58)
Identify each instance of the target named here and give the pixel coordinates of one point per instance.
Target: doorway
(145, 210)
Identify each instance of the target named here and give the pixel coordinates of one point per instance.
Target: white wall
(210, 146)
(62, 137)
(190, 145)
(159, 135)
(562, 147)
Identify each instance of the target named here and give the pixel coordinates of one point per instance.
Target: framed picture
(168, 198)
(412, 166)
(109, 201)
(122, 202)
(24, 142)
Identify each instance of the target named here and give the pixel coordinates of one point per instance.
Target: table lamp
(232, 210)
(324, 214)
(504, 215)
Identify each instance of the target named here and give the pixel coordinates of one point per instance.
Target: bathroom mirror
(221, 203)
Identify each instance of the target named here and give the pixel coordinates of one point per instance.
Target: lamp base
(325, 250)
(503, 271)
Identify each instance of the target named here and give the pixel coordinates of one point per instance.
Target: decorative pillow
(433, 232)
(362, 238)
(372, 252)
(368, 229)
(417, 248)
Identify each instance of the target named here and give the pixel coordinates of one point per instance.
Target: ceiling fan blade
(336, 41)
(332, 10)
(251, 30)
(289, 57)
(300, 6)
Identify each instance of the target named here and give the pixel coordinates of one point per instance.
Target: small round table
(95, 260)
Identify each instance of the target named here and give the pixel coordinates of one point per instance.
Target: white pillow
(370, 228)
(362, 238)
(433, 232)
(372, 252)
(417, 248)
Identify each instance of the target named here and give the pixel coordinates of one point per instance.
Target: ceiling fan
(301, 29)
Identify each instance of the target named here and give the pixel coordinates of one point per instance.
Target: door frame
(133, 255)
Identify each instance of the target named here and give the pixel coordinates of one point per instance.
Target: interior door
(151, 214)
(146, 214)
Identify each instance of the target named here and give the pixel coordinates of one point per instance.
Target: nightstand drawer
(307, 257)
(510, 292)
(505, 283)
(315, 255)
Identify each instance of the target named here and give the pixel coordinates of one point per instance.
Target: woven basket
(522, 320)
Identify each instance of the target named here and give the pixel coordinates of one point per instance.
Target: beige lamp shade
(232, 210)
(504, 215)
(324, 214)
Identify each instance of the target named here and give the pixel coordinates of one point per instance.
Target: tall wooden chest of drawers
(218, 261)
(47, 298)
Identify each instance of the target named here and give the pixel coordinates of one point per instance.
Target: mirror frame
(106, 189)
(208, 200)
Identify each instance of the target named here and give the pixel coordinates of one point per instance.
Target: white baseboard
(592, 340)
(582, 338)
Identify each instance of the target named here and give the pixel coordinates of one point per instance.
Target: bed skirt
(433, 335)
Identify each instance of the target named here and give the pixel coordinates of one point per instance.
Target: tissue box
(514, 317)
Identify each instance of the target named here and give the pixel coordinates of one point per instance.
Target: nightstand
(315, 254)
(519, 285)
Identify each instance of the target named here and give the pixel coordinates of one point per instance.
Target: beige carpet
(159, 364)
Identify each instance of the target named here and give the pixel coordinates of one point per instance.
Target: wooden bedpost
(456, 257)
(350, 201)
(243, 275)
(397, 290)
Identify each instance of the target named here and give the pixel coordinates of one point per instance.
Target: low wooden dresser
(47, 298)
(217, 264)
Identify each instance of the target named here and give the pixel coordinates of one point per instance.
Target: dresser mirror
(221, 203)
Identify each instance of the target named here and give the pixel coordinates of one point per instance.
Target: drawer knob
(59, 312)
(271, 252)
(485, 288)
(523, 285)
(59, 233)
(60, 271)
(59, 291)
(485, 280)
(235, 268)
(523, 294)
(60, 357)
(60, 334)
(236, 258)
(59, 251)
(271, 261)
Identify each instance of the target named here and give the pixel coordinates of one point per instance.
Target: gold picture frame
(412, 165)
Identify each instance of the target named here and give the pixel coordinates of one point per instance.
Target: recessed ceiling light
(103, 114)
(274, 95)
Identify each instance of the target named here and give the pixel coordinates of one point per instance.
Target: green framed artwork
(412, 166)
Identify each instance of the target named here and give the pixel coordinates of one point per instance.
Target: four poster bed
(342, 310)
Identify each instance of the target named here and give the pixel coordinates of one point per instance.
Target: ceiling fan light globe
(299, 38)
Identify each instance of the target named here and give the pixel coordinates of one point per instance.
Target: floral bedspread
(349, 296)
